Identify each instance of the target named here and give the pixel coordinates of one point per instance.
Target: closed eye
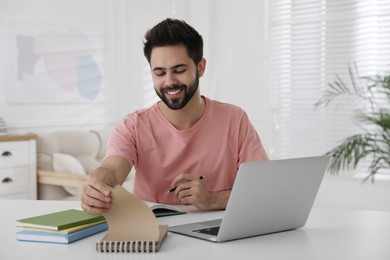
(159, 73)
(179, 71)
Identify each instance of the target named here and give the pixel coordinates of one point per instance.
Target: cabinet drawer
(14, 180)
(17, 196)
(16, 153)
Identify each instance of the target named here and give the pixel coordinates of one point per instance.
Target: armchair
(66, 158)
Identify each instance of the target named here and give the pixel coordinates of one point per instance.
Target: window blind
(309, 42)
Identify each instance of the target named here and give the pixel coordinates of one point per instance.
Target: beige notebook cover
(132, 226)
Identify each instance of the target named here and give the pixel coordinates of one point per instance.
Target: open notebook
(132, 226)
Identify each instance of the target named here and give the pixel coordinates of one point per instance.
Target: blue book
(59, 238)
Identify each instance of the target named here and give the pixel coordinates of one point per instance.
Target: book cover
(59, 220)
(132, 226)
(60, 238)
(63, 231)
(3, 127)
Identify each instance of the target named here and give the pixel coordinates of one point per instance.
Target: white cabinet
(18, 165)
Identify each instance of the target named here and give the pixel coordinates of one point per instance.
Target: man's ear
(201, 67)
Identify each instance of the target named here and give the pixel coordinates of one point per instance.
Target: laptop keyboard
(209, 231)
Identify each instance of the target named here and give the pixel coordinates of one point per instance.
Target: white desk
(327, 235)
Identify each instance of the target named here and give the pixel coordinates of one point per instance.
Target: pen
(173, 189)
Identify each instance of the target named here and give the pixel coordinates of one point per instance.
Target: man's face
(175, 76)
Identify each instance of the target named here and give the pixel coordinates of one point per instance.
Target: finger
(100, 186)
(92, 192)
(183, 196)
(181, 187)
(186, 201)
(93, 202)
(184, 193)
(183, 177)
(93, 210)
(193, 193)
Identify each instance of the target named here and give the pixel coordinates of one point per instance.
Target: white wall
(237, 57)
(234, 35)
(90, 14)
(233, 32)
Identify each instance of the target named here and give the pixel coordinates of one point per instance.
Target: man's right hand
(96, 196)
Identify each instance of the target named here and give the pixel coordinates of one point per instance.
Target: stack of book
(61, 227)
(3, 127)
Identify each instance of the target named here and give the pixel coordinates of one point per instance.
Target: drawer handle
(6, 154)
(7, 180)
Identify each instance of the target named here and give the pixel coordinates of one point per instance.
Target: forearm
(219, 199)
(105, 175)
(113, 171)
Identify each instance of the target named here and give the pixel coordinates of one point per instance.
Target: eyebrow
(171, 68)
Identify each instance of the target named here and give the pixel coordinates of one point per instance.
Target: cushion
(103, 135)
(77, 143)
(66, 163)
(89, 163)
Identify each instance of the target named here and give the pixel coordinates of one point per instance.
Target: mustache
(174, 87)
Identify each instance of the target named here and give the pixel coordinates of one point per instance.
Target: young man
(186, 148)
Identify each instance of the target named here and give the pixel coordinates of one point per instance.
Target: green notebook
(60, 220)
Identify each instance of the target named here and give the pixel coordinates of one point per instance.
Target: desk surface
(327, 235)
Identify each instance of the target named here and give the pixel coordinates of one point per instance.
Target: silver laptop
(267, 197)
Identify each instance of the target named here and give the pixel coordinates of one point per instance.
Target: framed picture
(52, 64)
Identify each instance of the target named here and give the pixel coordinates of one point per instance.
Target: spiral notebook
(132, 226)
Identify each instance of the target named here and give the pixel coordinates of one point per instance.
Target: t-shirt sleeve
(250, 145)
(122, 141)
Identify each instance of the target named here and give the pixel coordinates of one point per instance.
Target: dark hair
(174, 32)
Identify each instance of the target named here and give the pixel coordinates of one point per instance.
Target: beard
(179, 103)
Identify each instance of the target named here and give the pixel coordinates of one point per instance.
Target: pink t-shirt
(214, 147)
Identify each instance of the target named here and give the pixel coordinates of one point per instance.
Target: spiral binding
(126, 246)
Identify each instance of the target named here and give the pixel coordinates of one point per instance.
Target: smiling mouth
(173, 92)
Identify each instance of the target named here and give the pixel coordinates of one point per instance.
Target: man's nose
(171, 80)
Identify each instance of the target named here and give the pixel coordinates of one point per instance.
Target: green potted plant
(373, 144)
